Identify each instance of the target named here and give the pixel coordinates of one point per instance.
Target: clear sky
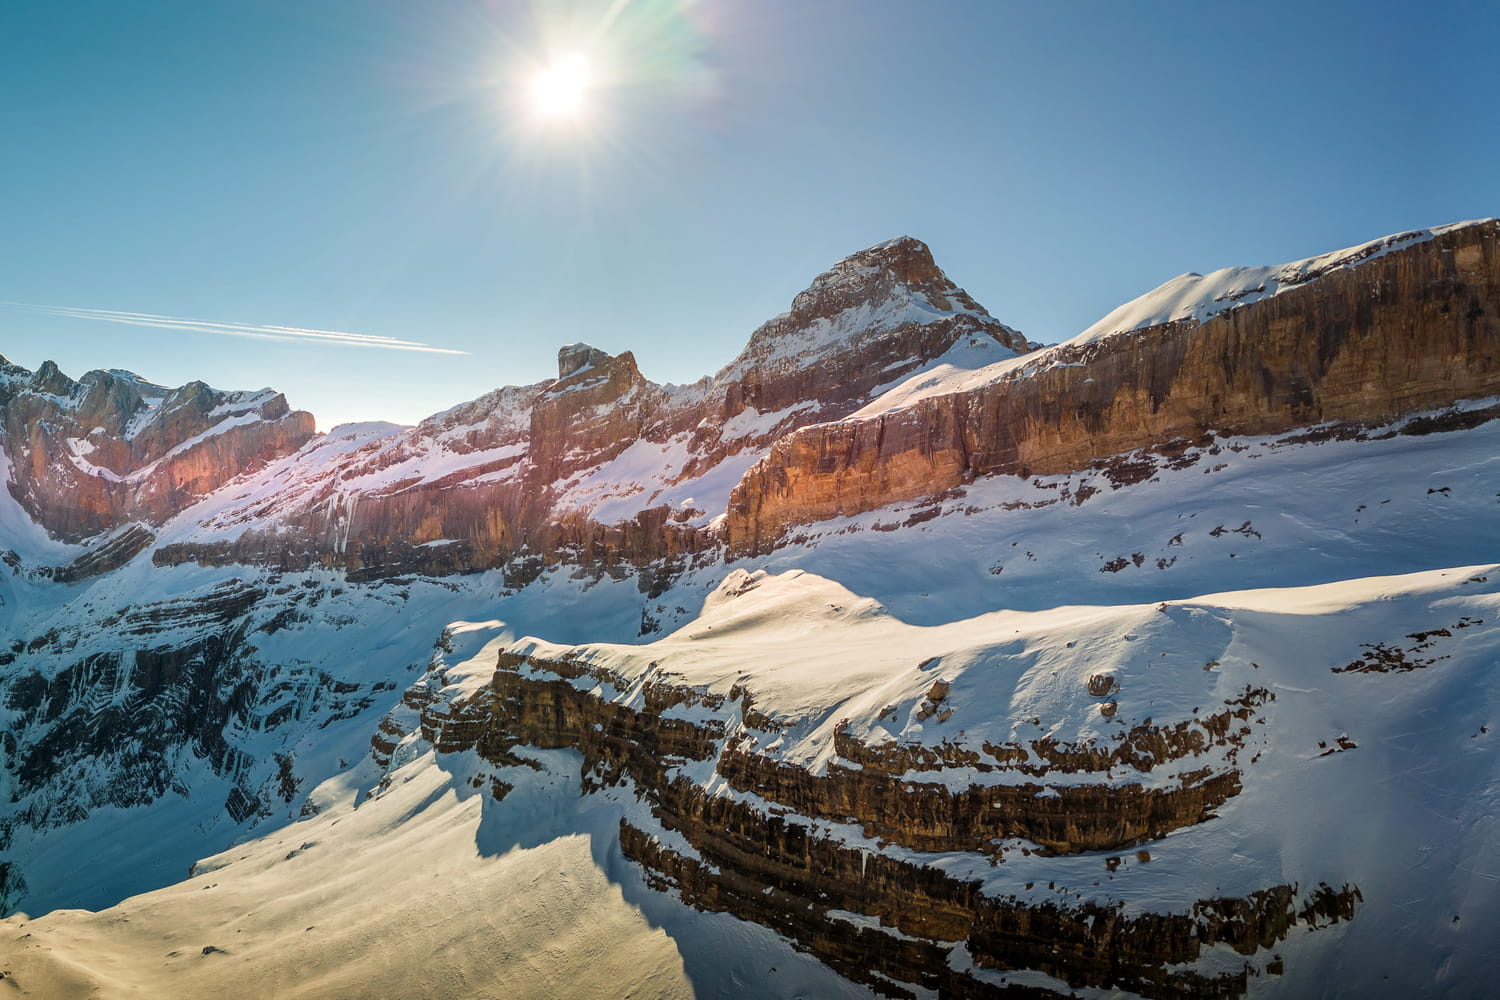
(378, 168)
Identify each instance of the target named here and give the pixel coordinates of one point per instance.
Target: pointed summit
(873, 273)
(50, 379)
(871, 318)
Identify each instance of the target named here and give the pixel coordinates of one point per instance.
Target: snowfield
(839, 631)
(421, 885)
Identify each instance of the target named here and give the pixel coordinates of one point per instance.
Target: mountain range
(903, 656)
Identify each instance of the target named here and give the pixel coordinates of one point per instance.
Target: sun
(558, 90)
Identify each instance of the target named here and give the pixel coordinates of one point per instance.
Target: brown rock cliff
(91, 455)
(515, 452)
(1418, 328)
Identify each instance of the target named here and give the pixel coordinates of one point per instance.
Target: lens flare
(558, 91)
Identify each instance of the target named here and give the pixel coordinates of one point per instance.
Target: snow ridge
(1201, 297)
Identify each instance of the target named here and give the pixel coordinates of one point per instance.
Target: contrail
(253, 330)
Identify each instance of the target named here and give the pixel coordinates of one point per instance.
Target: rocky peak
(582, 366)
(108, 401)
(90, 455)
(903, 264)
(197, 395)
(593, 406)
(574, 358)
(873, 317)
(50, 379)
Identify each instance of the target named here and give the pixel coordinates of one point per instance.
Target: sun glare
(558, 90)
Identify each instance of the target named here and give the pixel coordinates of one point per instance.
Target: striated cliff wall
(1416, 328)
(859, 865)
(603, 468)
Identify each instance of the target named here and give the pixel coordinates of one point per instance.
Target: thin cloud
(256, 331)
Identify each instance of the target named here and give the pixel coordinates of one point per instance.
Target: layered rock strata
(603, 468)
(1412, 329)
(845, 863)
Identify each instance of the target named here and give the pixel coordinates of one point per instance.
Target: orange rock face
(1416, 329)
(517, 454)
(90, 455)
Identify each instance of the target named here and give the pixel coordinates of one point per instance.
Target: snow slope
(1272, 563)
(415, 894)
(1388, 781)
(1200, 297)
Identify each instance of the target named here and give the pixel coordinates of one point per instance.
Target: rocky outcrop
(91, 455)
(913, 924)
(594, 410)
(1413, 329)
(868, 321)
(110, 553)
(762, 839)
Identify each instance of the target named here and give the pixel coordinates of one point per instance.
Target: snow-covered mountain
(87, 456)
(902, 656)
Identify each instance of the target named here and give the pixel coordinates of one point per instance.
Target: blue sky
(368, 167)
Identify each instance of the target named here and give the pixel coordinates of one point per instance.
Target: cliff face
(603, 468)
(600, 466)
(1414, 328)
(899, 844)
(494, 494)
(88, 456)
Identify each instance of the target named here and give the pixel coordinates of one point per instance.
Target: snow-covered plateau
(902, 657)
